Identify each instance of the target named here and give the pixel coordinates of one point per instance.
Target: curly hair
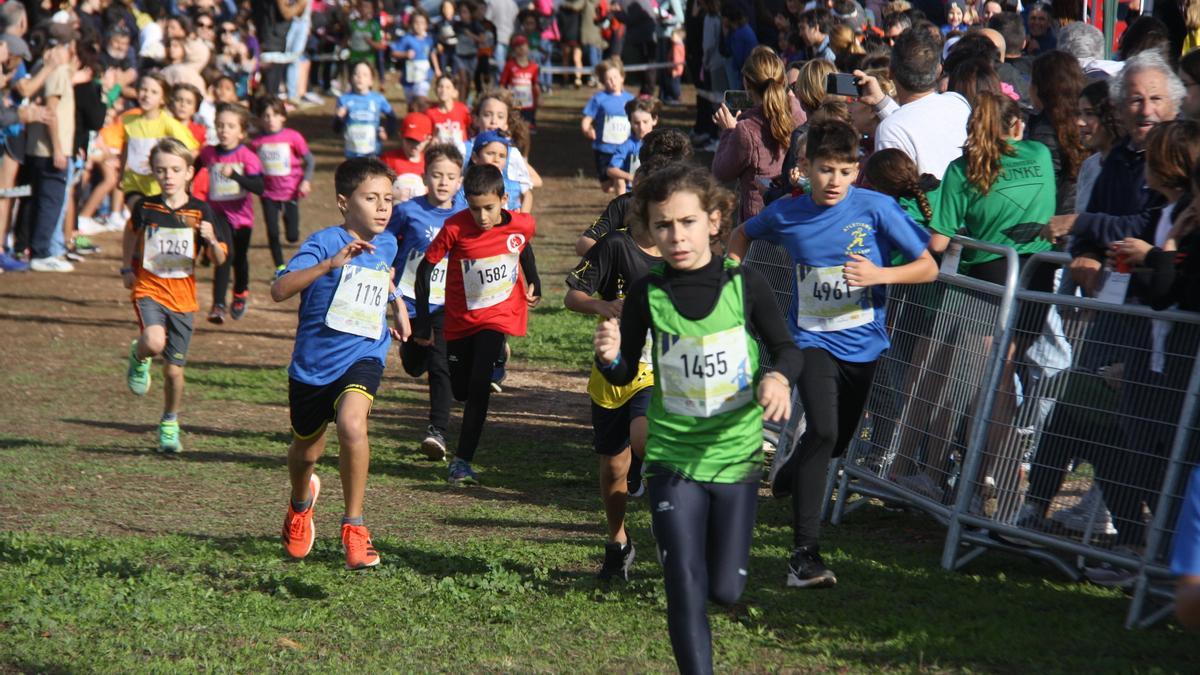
(989, 123)
(659, 185)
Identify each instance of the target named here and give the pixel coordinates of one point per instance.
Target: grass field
(115, 559)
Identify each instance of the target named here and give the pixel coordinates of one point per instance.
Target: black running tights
(291, 225)
(703, 532)
(419, 359)
(833, 393)
(471, 360)
(239, 262)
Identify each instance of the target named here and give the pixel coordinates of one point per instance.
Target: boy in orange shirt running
(165, 235)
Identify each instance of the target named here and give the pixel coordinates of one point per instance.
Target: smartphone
(842, 84)
(738, 100)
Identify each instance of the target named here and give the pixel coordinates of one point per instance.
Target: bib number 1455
(704, 365)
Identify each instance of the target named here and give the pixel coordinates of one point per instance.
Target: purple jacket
(747, 152)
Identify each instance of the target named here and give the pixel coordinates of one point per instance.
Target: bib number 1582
(491, 275)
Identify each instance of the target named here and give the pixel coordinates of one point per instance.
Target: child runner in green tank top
(704, 446)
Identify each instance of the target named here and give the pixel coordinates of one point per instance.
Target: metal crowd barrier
(1057, 427)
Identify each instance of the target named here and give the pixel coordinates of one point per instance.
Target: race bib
(616, 130)
(361, 139)
(276, 159)
(168, 252)
(489, 281)
(437, 279)
(826, 302)
(406, 186)
(450, 132)
(360, 302)
(137, 154)
(522, 94)
(416, 70)
(647, 357)
(704, 376)
(222, 189)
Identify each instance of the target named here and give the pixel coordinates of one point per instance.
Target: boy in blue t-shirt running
(364, 117)
(841, 239)
(415, 223)
(416, 50)
(604, 120)
(344, 277)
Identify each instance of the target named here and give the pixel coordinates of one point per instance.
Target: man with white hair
(1146, 93)
(1086, 43)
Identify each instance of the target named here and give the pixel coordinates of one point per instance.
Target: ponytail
(990, 120)
(894, 173)
(764, 73)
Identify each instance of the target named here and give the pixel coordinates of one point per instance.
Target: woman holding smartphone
(753, 143)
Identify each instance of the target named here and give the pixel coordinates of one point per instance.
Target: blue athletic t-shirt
(423, 47)
(364, 112)
(608, 109)
(322, 354)
(625, 156)
(1185, 557)
(826, 313)
(415, 223)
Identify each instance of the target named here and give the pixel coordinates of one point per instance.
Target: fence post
(983, 409)
(1183, 433)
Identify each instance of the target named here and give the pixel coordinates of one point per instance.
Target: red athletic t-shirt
(485, 288)
(522, 82)
(451, 127)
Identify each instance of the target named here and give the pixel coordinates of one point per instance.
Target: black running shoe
(618, 560)
(807, 570)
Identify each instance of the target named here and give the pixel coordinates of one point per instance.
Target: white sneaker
(89, 226)
(50, 265)
(312, 97)
(116, 221)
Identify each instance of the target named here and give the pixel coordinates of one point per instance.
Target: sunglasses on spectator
(204, 24)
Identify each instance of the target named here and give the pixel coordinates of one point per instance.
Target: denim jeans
(49, 187)
(295, 47)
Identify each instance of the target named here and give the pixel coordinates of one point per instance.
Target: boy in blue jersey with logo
(420, 58)
(364, 117)
(841, 239)
(643, 116)
(604, 120)
(344, 277)
(415, 223)
(493, 147)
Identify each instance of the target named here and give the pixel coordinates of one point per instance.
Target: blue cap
(491, 136)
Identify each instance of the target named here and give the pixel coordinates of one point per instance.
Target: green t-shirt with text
(1012, 213)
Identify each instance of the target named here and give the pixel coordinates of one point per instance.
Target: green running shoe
(138, 374)
(168, 437)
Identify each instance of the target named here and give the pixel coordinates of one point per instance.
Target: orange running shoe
(360, 552)
(298, 531)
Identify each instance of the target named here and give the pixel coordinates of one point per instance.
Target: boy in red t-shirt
(520, 76)
(491, 283)
(409, 160)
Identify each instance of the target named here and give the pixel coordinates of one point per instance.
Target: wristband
(611, 365)
(391, 298)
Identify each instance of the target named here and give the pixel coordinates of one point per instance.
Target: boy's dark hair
(354, 172)
(915, 60)
(732, 12)
(1010, 25)
(973, 45)
(438, 151)
(239, 111)
(671, 143)
(648, 105)
(273, 103)
(483, 179)
(191, 89)
(832, 140)
(819, 18)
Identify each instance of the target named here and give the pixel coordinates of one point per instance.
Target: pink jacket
(748, 152)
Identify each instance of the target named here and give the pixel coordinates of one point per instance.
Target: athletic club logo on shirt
(515, 242)
(858, 238)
